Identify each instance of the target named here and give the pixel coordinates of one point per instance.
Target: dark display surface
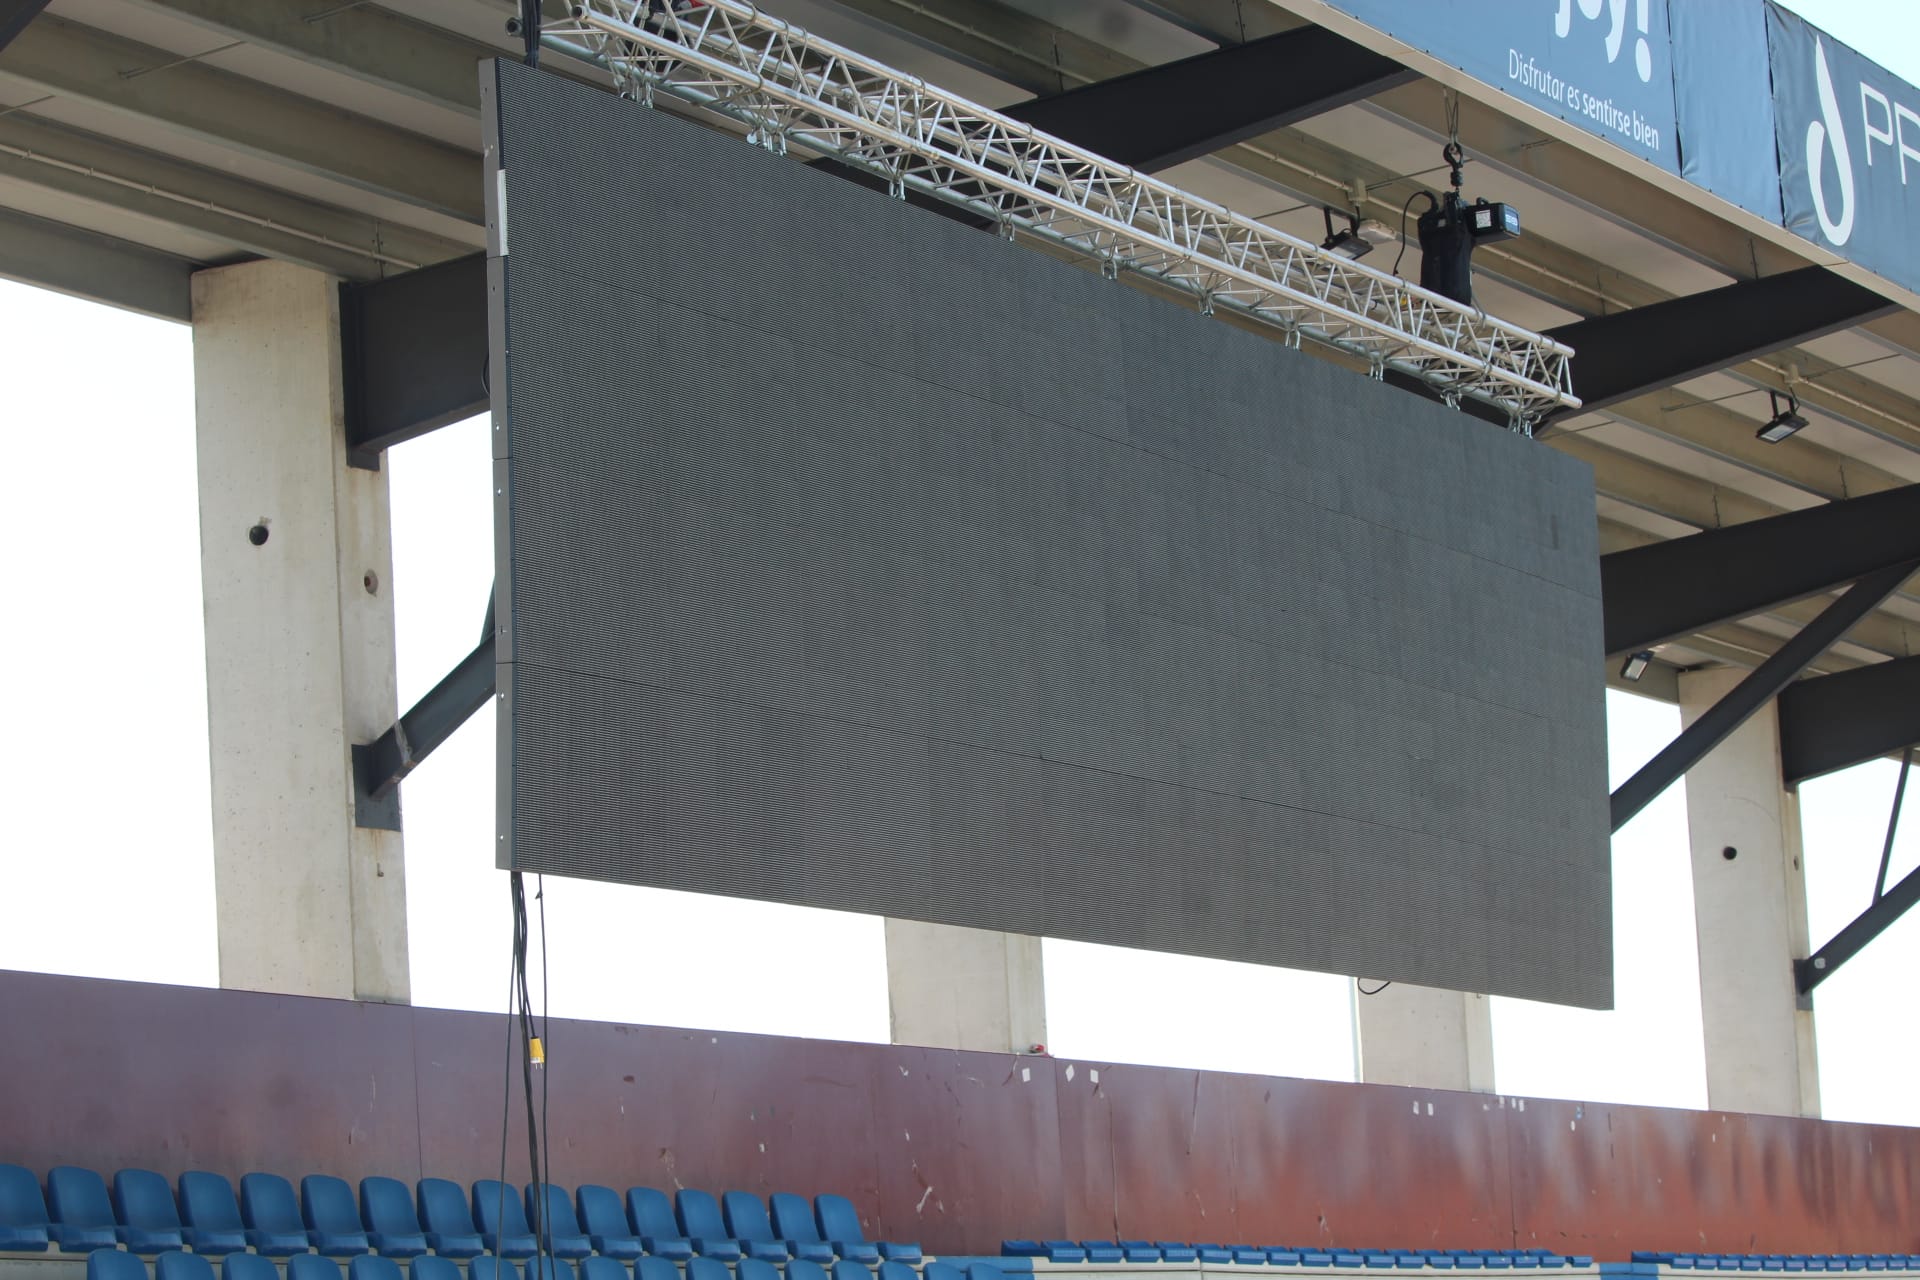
(856, 558)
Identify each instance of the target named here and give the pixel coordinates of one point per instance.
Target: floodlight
(1636, 665)
(1784, 421)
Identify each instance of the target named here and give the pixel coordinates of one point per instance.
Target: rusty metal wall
(956, 1150)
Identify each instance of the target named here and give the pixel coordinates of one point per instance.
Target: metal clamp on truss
(782, 83)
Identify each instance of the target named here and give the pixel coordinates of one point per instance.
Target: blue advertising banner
(1605, 65)
(1724, 103)
(1848, 134)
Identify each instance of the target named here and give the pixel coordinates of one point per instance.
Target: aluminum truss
(788, 87)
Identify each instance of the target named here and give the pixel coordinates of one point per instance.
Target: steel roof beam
(98, 268)
(1669, 589)
(1165, 115)
(360, 41)
(1628, 353)
(78, 62)
(1840, 720)
(253, 218)
(14, 17)
(413, 349)
(1747, 697)
(1863, 929)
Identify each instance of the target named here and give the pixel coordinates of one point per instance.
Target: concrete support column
(955, 988)
(297, 567)
(1424, 1037)
(1750, 907)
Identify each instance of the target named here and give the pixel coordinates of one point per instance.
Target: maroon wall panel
(955, 1150)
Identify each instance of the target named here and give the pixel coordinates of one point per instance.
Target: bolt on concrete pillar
(1424, 1037)
(296, 562)
(1750, 909)
(955, 988)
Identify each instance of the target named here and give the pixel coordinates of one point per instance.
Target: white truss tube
(788, 86)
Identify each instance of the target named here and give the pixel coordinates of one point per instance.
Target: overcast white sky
(109, 848)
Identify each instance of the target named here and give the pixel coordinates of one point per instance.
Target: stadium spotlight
(1784, 421)
(1355, 240)
(1636, 665)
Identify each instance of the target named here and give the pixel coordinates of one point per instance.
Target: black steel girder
(379, 766)
(14, 17)
(1842, 719)
(1865, 927)
(1622, 355)
(1158, 117)
(1668, 589)
(1747, 697)
(414, 353)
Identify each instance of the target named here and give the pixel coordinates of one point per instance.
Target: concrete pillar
(297, 567)
(1750, 908)
(956, 988)
(1424, 1037)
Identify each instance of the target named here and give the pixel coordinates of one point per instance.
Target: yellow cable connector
(535, 1052)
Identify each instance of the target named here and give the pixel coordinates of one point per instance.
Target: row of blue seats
(111, 1264)
(1110, 1252)
(1782, 1261)
(78, 1214)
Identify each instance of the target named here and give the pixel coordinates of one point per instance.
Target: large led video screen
(852, 556)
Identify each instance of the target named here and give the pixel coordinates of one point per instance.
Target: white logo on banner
(1835, 229)
(1591, 9)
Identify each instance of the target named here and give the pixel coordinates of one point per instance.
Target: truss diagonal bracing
(791, 88)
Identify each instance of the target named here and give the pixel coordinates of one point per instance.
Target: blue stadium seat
(698, 1214)
(887, 1271)
(844, 1270)
(651, 1214)
(111, 1264)
(565, 1239)
(1213, 1254)
(943, 1271)
(600, 1267)
(1022, 1249)
(23, 1211)
(448, 1220)
(756, 1269)
(1101, 1251)
(272, 1217)
(747, 1221)
(793, 1222)
(303, 1266)
(248, 1266)
(431, 1266)
(81, 1216)
(502, 1221)
(1059, 1250)
(367, 1266)
(549, 1269)
(1385, 1261)
(1140, 1251)
(601, 1216)
(1308, 1257)
(211, 1213)
(1282, 1257)
(705, 1268)
(392, 1225)
(652, 1266)
(174, 1265)
(484, 1266)
(1176, 1251)
(983, 1271)
(840, 1227)
(148, 1217)
(801, 1269)
(333, 1220)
